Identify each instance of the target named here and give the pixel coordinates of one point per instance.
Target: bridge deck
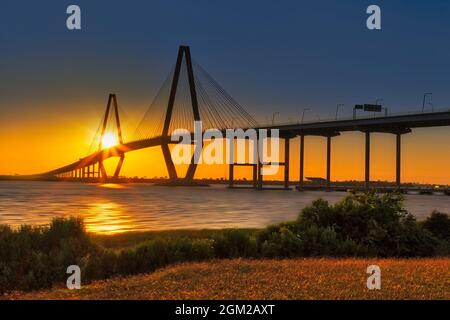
(376, 124)
(390, 124)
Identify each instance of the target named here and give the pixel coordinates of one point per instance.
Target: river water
(112, 208)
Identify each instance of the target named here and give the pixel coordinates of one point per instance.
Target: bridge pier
(231, 175)
(302, 161)
(367, 160)
(286, 162)
(328, 163)
(398, 160)
(260, 176)
(258, 168)
(232, 164)
(255, 175)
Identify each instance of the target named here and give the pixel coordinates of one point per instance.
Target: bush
(439, 225)
(146, 257)
(235, 243)
(279, 242)
(362, 224)
(35, 257)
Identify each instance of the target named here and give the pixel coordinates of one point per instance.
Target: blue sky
(269, 55)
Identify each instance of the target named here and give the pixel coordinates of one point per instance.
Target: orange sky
(30, 147)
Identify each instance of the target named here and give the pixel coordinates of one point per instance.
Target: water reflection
(112, 186)
(113, 208)
(108, 218)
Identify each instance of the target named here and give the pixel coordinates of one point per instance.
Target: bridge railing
(358, 117)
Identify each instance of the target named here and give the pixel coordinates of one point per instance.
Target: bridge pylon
(112, 103)
(183, 51)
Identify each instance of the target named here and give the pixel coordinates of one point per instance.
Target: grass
(131, 239)
(324, 278)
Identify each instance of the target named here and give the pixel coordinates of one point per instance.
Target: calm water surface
(112, 208)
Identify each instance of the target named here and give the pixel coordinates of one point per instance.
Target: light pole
(432, 106)
(303, 113)
(376, 103)
(337, 109)
(424, 98)
(273, 117)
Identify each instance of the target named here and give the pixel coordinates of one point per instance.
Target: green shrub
(35, 257)
(439, 225)
(100, 264)
(373, 224)
(161, 252)
(235, 243)
(279, 242)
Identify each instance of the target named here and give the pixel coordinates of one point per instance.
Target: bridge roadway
(394, 124)
(387, 124)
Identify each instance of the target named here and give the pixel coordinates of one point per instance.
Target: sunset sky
(271, 57)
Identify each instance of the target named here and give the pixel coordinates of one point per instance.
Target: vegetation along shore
(361, 228)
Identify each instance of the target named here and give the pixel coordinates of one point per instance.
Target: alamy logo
(73, 21)
(374, 20)
(74, 280)
(374, 280)
(263, 147)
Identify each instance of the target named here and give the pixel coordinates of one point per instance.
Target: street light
(303, 113)
(424, 98)
(337, 109)
(376, 103)
(273, 117)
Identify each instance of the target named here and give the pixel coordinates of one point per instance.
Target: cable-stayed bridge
(190, 93)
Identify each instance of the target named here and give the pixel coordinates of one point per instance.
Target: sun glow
(109, 140)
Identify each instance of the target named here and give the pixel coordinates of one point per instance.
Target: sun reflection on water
(112, 186)
(108, 218)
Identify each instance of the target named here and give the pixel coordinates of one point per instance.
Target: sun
(109, 140)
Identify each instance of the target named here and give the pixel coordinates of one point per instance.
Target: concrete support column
(367, 167)
(302, 158)
(230, 174)
(398, 160)
(255, 175)
(259, 166)
(230, 149)
(286, 162)
(260, 176)
(328, 163)
(255, 167)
